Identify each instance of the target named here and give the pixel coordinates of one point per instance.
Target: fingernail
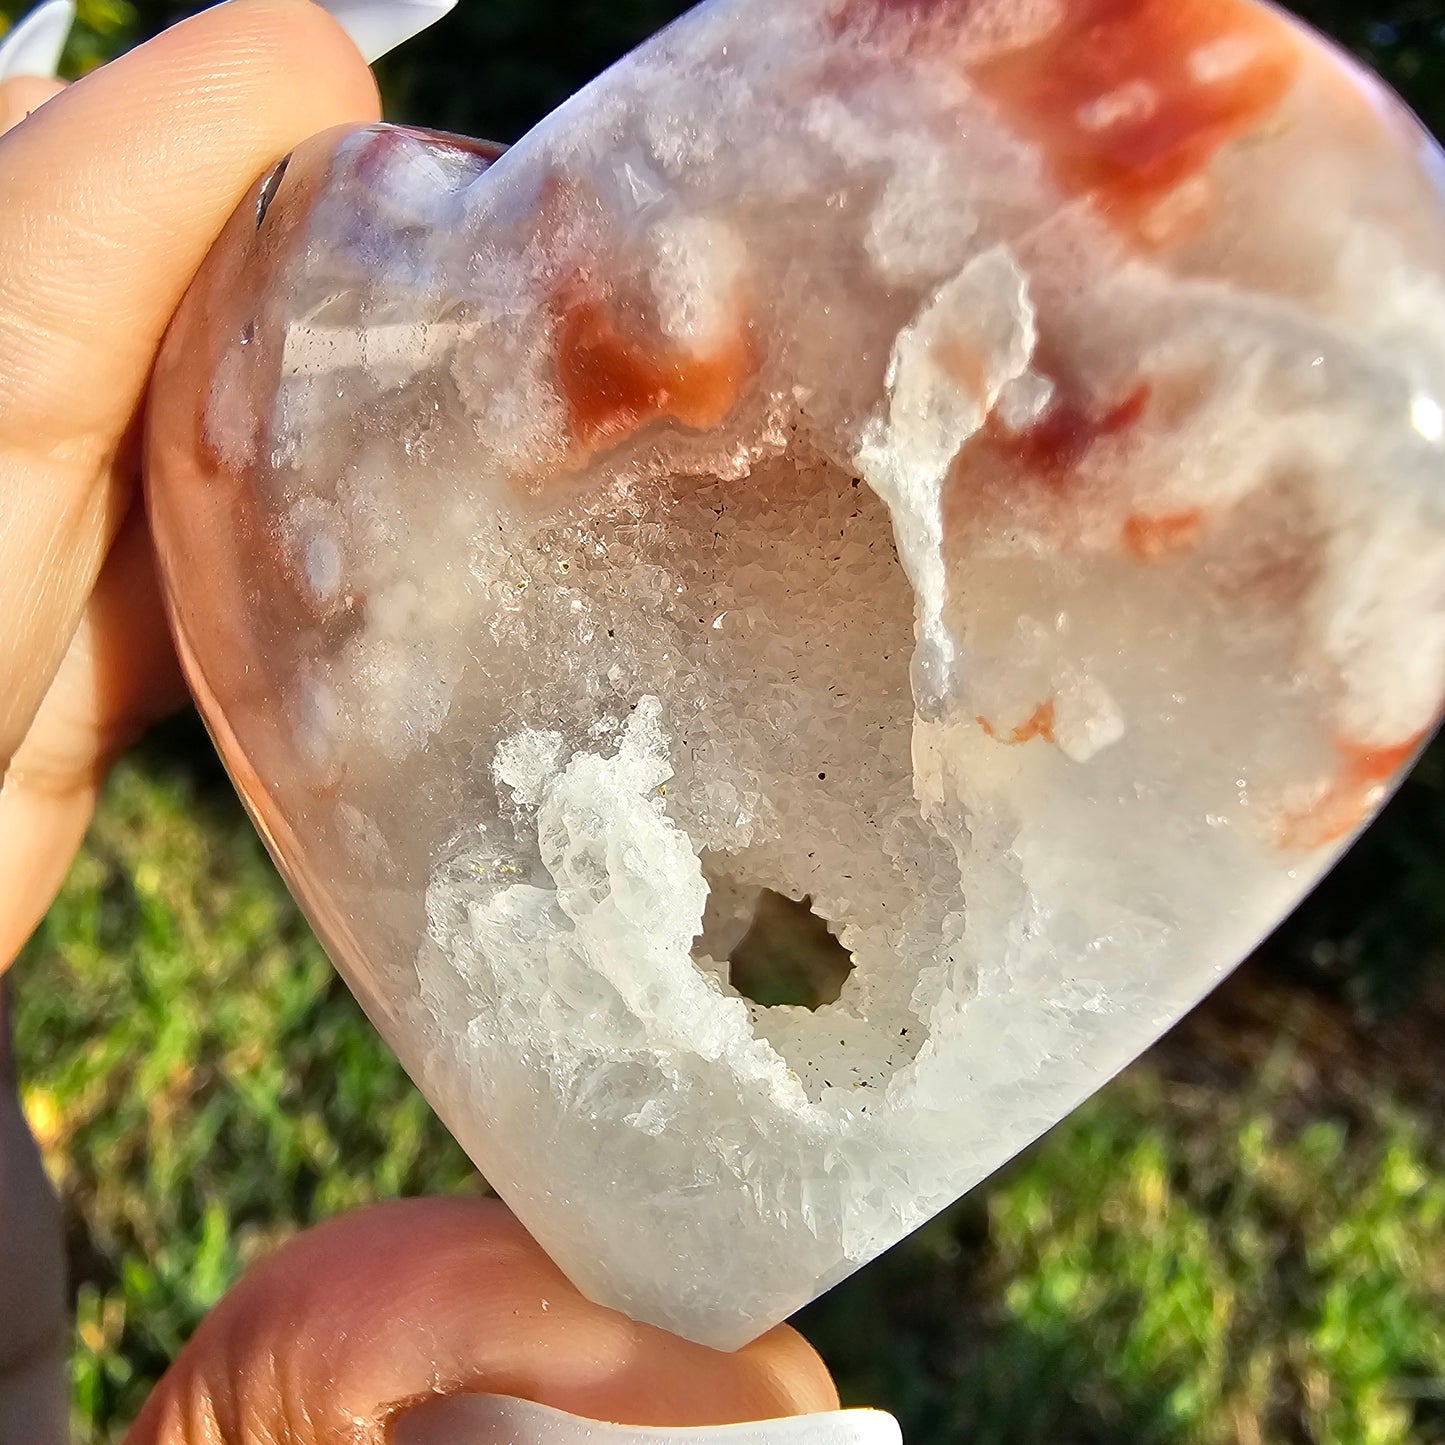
(33, 46)
(378, 26)
(499, 1420)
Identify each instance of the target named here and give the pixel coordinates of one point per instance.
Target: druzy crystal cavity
(973, 467)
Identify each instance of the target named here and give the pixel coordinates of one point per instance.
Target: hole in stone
(788, 956)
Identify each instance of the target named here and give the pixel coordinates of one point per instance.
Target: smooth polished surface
(976, 466)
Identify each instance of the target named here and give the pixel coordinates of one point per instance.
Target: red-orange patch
(1129, 99)
(966, 364)
(1039, 725)
(1346, 803)
(1158, 538)
(613, 384)
(1055, 444)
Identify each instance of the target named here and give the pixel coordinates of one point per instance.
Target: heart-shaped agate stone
(974, 466)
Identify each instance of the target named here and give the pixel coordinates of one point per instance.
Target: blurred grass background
(1240, 1240)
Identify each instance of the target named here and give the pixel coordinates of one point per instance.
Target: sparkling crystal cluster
(973, 465)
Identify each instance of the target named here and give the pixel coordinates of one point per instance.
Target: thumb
(358, 1323)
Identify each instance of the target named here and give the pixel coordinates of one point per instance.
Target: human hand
(111, 197)
(112, 193)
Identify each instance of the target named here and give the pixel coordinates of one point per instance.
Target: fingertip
(241, 82)
(454, 1299)
(295, 54)
(792, 1372)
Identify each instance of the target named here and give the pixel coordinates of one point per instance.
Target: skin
(114, 189)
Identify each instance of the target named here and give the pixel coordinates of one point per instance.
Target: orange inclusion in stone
(1055, 444)
(1346, 803)
(1129, 99)
(1156, 539)
(613, 384)
(966, 364)
(1040, 725)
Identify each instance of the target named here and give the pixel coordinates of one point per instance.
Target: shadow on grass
(180, 748)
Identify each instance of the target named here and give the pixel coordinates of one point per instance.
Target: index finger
(113, 192)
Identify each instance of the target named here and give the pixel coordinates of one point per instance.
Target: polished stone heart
(975, 467)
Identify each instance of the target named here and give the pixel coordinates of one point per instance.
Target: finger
(113, 192)
(118, 676)
(23, 95)
(383, 1311)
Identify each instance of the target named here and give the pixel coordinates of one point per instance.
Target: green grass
(1242, 1239)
